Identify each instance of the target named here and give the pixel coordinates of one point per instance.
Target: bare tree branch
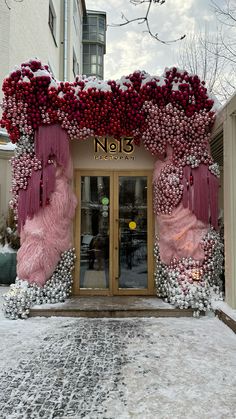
(206, 56)
(225, 14)
(145, 20)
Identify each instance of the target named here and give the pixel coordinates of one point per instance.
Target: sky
(129, 48)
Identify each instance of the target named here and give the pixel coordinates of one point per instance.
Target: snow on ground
(144, 368)
(222, 305)
(6, 249)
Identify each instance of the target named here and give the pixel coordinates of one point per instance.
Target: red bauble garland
(88, 107)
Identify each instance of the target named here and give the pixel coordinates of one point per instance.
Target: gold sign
(111, 149)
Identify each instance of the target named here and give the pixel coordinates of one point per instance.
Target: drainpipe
(65, 40)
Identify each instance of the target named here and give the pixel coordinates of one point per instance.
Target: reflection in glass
(94, 253)
(133, 236)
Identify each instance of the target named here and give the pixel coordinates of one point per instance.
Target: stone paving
(74, 373)
(129, 368)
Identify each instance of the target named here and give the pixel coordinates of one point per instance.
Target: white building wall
(75, 17)
(25, 34)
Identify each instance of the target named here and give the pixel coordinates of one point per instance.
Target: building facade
(51, 30)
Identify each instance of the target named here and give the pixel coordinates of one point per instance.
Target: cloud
(130, 48)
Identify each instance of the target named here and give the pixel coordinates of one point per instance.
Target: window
(94, 28)
(75, 64)
(52, 21)
(93, 60)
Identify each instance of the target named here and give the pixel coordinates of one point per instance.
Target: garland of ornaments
(189, 283)
(173, 110)
(168, 189)
(87, 106)
(22, 295)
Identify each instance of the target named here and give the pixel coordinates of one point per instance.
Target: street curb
(225, 318)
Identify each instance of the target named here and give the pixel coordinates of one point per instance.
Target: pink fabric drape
(52, 148)
(200, 193)
(180, 235)
(47, 234)
(46, 226)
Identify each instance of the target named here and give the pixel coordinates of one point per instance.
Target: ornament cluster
(187, 135)
(87, 106)
(22, 295)
(22, 166)
(168, 189)
(188, 283)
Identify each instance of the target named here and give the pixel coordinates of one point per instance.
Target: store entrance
(114, 233)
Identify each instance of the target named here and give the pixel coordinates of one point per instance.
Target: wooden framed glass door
(114, 233)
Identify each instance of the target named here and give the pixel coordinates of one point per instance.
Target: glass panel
(85, 28)
(95, 216)
(93, 28)
(86, 36)
(86, 69)
(86, 58)
(86, 49)
(100, 50)
(93, 59)
(92, 20)
(93, 68)
(101, 23)
(101, 37)
(133, 232)
(93, 49)
(93, 36)
(100, 70)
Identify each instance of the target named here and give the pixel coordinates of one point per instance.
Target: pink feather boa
(48, 233)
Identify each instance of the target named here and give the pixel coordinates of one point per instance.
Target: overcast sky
(129, 48)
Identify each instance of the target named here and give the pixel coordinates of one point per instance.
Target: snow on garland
(170, 111)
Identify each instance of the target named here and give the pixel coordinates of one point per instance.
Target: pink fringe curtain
(51, 141)
(200, 193)
(52, 148)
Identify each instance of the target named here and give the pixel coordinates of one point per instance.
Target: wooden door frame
(113, 233)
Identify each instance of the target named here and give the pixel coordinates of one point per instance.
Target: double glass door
(114, 233)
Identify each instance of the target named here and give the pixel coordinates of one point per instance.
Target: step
(110, 307)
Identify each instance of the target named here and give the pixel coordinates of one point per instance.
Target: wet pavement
(111, 368)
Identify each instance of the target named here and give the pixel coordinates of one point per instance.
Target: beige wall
(83, 158)
(226, 123)
(5, 180)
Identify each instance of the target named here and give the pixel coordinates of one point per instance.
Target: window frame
(52, 21)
